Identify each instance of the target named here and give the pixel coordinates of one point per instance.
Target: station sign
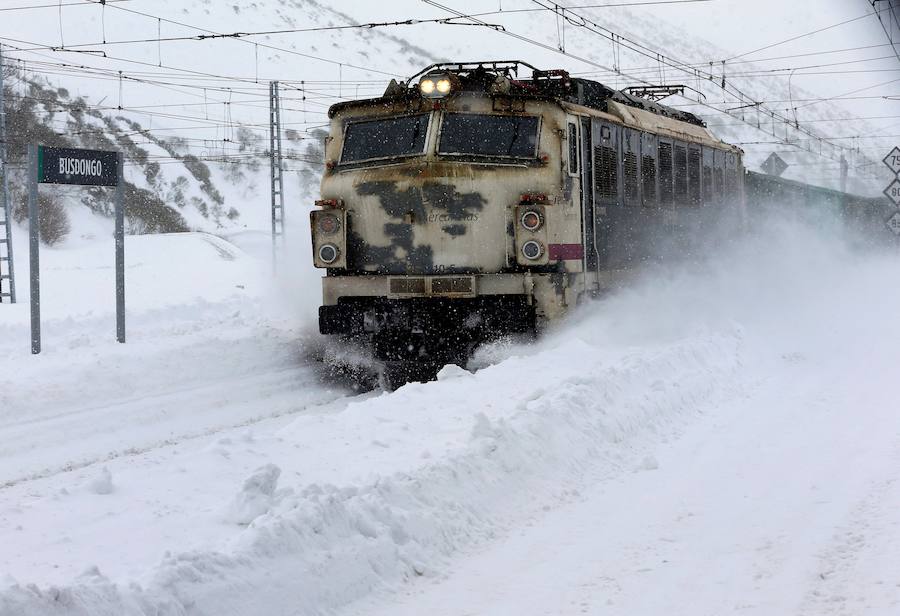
(78, 167)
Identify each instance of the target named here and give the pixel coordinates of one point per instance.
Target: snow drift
(311, 514)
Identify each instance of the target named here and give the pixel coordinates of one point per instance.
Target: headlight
(426, 86)
(531, 220)
(329, 253)
(436, 85)
(532, 250)
(328, 224)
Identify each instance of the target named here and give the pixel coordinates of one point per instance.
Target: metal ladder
(7, 269)
(276, 163)
(7, 277)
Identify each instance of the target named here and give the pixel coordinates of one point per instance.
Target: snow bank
(448, 465)
(346, 502)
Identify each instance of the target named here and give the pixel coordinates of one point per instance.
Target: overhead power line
(888, 27)
(56, 5)
(294, 52)
(804, 35)
(247, 35)
(618, 40)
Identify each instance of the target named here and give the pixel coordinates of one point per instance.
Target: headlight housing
(531, 220)
(328, 224)
(532, 250)
(329, 237)
(329, 253)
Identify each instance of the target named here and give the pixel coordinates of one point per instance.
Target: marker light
(329, 253)
(532, 250)
(328, 224)
(531, 220)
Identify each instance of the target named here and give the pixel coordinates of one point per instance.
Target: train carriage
(468, 204)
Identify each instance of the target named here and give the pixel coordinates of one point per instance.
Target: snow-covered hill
(192, 113)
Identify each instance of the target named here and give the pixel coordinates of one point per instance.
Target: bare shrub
(55, 225)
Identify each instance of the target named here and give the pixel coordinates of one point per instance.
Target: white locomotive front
(469, 204)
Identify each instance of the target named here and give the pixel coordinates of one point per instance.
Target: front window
(385, 138)
(469, 134)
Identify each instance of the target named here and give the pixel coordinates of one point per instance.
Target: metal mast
(276, 164)
(7, 268)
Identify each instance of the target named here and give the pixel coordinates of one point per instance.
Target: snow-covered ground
(716, 438)
(720, 437)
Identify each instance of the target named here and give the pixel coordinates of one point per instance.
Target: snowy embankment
(317, 500)
(168, 476)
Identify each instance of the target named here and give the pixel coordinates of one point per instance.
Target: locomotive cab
(461, 206)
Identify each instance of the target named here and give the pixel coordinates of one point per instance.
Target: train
(469, 203)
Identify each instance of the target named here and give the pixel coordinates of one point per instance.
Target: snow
(256, 495)
(723, 433)
(715, 437)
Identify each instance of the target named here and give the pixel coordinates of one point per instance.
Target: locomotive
(468, 203)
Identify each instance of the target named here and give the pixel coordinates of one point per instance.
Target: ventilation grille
(707, 184)
(731, 182)
(648, 175)
(681, 174)
(631, 178)
(665, 174)
(605, 173)
(694, 175)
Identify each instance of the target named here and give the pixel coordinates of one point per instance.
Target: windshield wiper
(515, 138)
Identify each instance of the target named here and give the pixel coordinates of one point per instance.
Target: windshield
(387, 138)
(489, 135)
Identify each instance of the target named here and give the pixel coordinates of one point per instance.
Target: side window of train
(572, 143)
(648, 169)
(694, 155)
(666, 186)
(707, 176)
(631, 148)
(606, 163)
(681, 173)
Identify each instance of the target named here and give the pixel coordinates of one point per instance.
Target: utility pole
(7, 267)
(276, 166)
(844, 169)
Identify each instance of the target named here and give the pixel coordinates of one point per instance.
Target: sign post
(81, 168)
(34, 225)
(120, 249)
